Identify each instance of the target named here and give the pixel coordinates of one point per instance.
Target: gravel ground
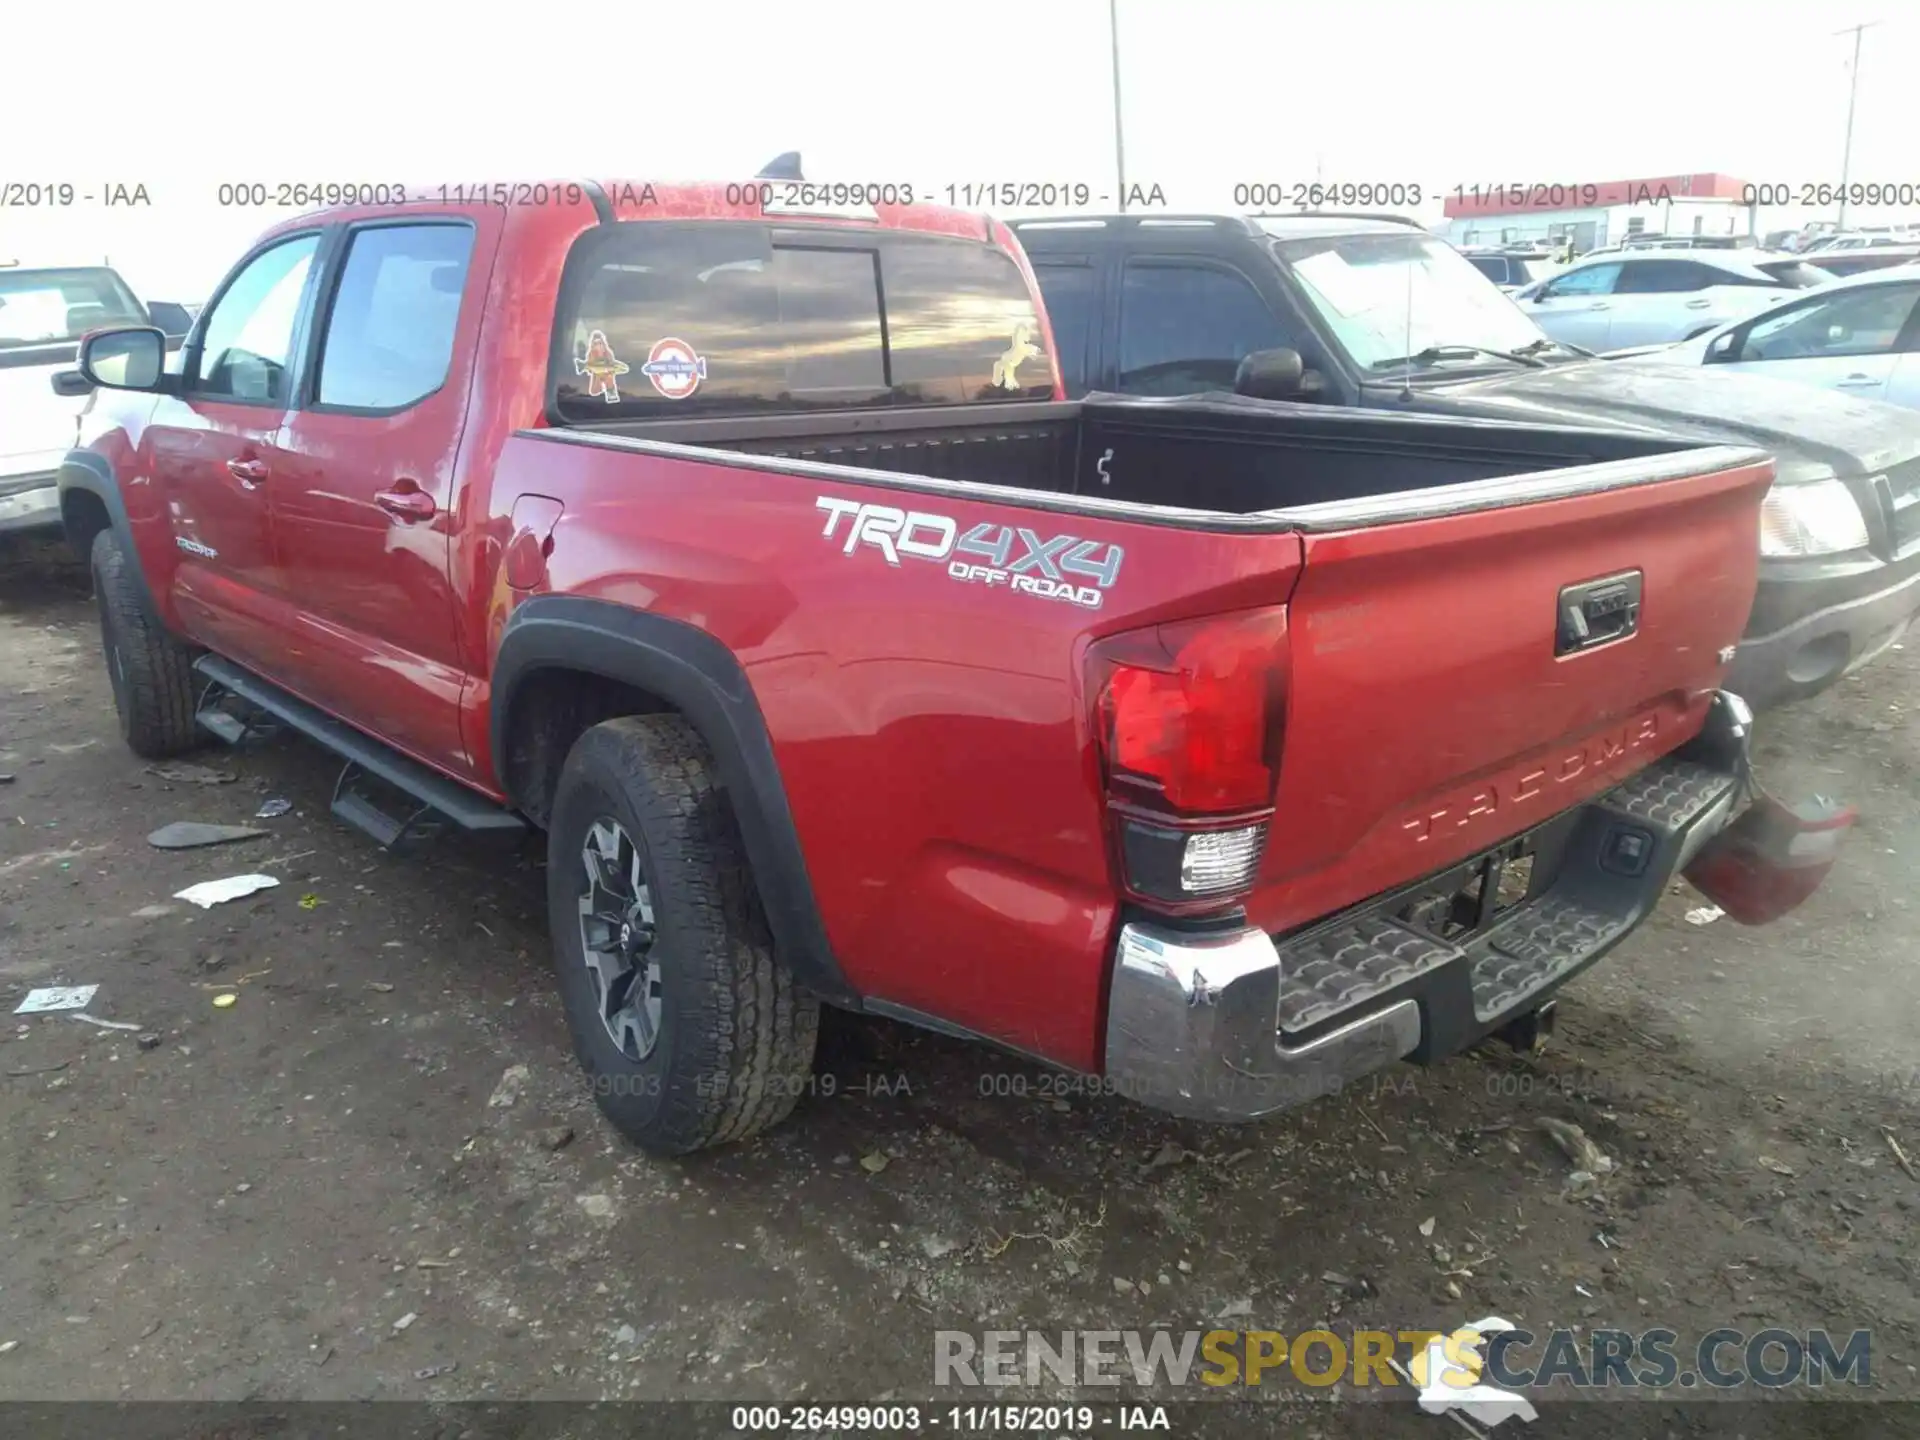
(379, 1174)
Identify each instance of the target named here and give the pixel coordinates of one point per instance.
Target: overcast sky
(1216, 92)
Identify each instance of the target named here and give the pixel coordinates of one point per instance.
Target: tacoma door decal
(1012, 556)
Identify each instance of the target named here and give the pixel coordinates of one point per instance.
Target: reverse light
(1189, 721)
(1818, 517)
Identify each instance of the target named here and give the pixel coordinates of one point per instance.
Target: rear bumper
(1850, 625)
(29, 502)
(1240, 1024)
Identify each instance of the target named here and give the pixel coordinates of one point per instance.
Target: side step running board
(434, 796)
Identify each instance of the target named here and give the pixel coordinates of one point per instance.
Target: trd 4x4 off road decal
(988, 554)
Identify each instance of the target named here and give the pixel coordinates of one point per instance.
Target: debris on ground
(194, 834)
(209, 893)
(272, 809)
(1767, 1162)
(434, 1372)
(936, 1246)
(9, 1346)
(1704, 914)
(600, 1207)
(226, 1001)
(56, 997)
(1167, 1155)
(1899, 1154)
(106, 1024)
(1573, 1141)
(6, 780)
(874, 1163)
(512, 1080)
(152, 912)
(311, 901)
(381, 986)
(187, 774)
(149, 1041)
(405, 1320)
(1426, 1227)
(556, 1137)
(1456, 1389)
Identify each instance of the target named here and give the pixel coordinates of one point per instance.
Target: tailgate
(1441, 697)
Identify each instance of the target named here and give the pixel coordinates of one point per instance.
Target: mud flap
(1772, 858)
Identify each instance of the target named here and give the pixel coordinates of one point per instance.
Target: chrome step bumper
(1239, 1024)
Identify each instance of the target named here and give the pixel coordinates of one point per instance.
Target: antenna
(784, 166)
(1406, 372)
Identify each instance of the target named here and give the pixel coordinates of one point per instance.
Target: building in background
(1596, 213)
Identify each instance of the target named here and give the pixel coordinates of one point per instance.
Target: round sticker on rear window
(675, 369)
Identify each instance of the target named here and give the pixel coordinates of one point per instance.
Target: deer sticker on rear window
(674, 367)
(1006, 370)
(1010, 556)
(602, 368)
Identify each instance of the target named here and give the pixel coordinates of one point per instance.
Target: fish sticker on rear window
(1006, 368)
(675, 368)
(602, 368)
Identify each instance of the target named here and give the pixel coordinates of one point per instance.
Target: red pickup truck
(1225, 751)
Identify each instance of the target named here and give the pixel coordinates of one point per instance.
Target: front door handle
(406, 501)
(248, 472)
(1599, 305)
(1858, 380)
(1698, 304)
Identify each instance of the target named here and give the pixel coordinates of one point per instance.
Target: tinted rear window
(723, 317)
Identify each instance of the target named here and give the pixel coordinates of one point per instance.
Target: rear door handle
(1858, 380)
(1698, 304)
(248, 472)
(1599, 305)
(407, 502)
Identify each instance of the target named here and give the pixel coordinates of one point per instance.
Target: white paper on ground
(1457, 1388)
(209, 893)
(56, 997)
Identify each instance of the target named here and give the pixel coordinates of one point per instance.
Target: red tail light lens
(1189, 721)
(1772, 858)
(1191, 715)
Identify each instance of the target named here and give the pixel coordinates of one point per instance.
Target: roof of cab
(1306, 226)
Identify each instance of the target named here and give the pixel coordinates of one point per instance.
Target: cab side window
(1186, 326)
(1588, 280)
(1071, 294)
(246, 345)
(389, 340)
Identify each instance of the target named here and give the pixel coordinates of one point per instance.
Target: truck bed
(1215, 454)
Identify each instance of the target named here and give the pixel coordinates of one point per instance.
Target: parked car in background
(43, 314)
(1366, 311)
(1613, 302)
(1512, 269)
(1860, 336)
(1840, 263)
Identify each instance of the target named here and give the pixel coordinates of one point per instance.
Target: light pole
(1853, 93)
(1119, 137)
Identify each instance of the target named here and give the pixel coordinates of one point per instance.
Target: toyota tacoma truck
(1224, 752)
(1368, 310)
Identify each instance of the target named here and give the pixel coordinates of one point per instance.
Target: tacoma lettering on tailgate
(1049, 568)
(1486, 802)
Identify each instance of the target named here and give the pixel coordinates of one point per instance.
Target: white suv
(1617, 301)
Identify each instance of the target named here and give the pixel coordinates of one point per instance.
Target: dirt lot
(321, 1192)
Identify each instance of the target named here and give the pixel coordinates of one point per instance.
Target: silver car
(1859, 336)
(1614, 302)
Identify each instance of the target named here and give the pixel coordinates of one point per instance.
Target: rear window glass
(1795, 274)
(724, 317)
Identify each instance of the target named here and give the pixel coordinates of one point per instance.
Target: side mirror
(1270, 375)
(133, 358)
(1725, 348)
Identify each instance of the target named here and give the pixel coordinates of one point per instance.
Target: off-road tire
(151, 672)
(736, 1040)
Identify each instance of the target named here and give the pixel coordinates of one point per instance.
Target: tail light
(1772, 858)
(1189, 720)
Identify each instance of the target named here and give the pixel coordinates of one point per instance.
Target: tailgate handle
(1595, 612)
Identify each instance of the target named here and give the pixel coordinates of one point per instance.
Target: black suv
(1337, 309)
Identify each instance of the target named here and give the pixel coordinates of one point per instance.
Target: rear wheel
(151, 672)
(693, 1035)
